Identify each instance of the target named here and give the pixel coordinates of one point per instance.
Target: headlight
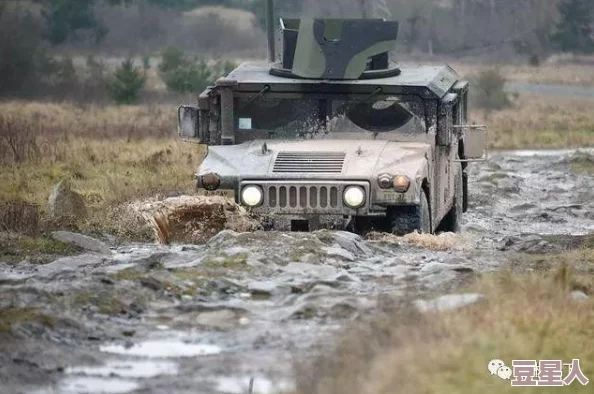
(210, 181)
(354, 196)
(252, 196)
(401, 184)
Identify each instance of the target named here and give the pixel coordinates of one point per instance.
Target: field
(110, 154)
(552, 73)
(540, 122)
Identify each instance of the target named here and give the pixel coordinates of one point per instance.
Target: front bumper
(304, 223)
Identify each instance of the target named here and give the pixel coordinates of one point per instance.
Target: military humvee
(336, 135)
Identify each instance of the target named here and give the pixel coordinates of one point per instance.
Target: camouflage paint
(340, 49)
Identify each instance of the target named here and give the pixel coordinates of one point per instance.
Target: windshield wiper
(258, 95)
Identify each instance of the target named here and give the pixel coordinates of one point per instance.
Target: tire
(453, 220)
(404, 220)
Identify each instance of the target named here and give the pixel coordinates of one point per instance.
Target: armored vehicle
(334, 134)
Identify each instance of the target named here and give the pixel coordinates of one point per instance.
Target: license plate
(223, 193)
(389, 197)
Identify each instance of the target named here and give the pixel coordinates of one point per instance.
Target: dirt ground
(208, 317)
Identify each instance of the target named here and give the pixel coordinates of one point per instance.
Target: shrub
(182, 74)
(489, 91)
(127, 81)
(17, 140)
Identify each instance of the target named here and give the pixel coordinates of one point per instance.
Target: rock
(236, 250)
(311, 270)
(68, 265)
(529, 243)
(579, 296)
(66, 204)
(81, 241)
(339, 252)
(268, 289)
(351, 242)
(224, 285)
(448, 302)
(152, 284)
(223, 319)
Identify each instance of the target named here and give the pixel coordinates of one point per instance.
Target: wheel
(404, 220)
(453, 220)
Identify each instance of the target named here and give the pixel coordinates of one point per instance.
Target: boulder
(81, 241)
(66, 204)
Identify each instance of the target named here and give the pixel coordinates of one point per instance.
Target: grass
(15, 248)
(441, 242)
(523, 316)
(235, 262)
(107, 302)
(111, 154)
(566, 74)
(11, 316)
(537, 122)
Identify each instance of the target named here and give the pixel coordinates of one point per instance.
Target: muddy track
(207, 318)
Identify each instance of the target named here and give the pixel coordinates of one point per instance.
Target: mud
(208, 317)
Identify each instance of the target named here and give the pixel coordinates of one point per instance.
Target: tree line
(436, 26)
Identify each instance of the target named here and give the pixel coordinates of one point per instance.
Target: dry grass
(563, 74)
(523, 316)
(111, 154)
(540, 122)
(444, 241)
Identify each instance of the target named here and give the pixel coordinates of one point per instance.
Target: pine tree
(126, 83)
(575, 30)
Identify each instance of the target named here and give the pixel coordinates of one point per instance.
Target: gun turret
(337, 48)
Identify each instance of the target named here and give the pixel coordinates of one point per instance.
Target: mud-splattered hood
(344, 159)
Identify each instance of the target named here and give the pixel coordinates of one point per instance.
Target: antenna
(270, 29)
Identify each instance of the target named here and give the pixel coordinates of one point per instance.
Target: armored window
(274, 115)
(380, 116)
(390, 114)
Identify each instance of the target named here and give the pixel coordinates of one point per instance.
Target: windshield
(267, 117)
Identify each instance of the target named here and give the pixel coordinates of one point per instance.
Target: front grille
(306, 197)
(310, 162)
(312, 197)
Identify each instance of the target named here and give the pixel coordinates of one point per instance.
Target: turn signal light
(210, 181)
(401, 184)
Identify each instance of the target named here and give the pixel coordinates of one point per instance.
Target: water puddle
(91, 385)
(128, 369)
(162, 349)
(543, 152)
(261, 385)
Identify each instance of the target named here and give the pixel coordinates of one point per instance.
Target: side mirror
(187, 123)
(475, 142)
